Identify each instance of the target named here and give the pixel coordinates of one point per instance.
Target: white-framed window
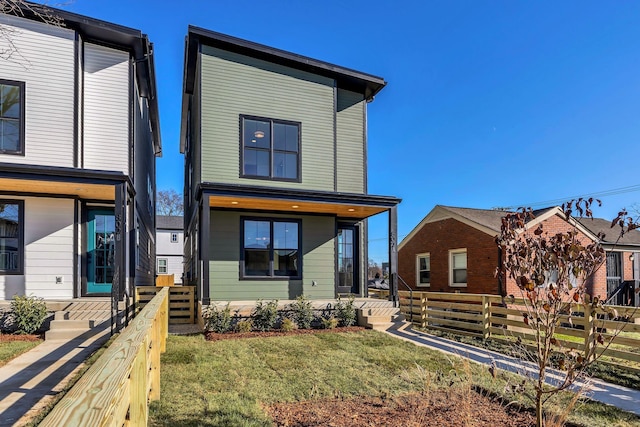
(162, 265)
(174, 237)
(458, 267)
(423, 270)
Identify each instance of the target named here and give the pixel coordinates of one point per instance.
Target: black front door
(348, 265)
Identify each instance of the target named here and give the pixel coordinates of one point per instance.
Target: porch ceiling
(40, 186)
(342, 210)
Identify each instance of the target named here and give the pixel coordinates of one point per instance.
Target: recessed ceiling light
(295, 206)
(234, 203)
(258, 134)
(351, 210)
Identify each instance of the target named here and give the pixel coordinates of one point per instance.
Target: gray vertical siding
(106, 108)
(350, 142)
(233, 84)
(45, 64)
(318, 261)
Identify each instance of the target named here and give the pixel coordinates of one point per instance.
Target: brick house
(453, 250)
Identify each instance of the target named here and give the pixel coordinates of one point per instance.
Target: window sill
(423, 285)
(458, 285)
(268, 178)
(270, 278)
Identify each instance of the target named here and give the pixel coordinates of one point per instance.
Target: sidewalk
(624, 398)
(30, 380)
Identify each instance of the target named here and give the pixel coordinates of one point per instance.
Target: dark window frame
(21, 120)
(271, 221)
(174, 234)
(272, 150)
(20, 269)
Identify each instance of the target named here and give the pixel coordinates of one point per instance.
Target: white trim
(418, 284)
(166, 265)
(451, 253)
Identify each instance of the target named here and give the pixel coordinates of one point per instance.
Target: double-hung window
(174, 237)
(162, 265)
(11, 117)
(423, 270)
(458, 267)
(270, 248)
(11, 236)
(270, 149)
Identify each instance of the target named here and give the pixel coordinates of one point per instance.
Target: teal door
(101, 227)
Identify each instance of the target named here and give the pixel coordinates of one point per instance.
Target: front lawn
(12, 346)
(231, 382)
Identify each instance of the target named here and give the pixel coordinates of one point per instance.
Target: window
(11, 232)
(162, 265)
(270, 149)
(270, 248)
(458, 267)
(423, 270)
(174, 237)
(11, 117)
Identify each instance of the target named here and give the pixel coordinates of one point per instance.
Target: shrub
(346, 311)
(244, 326)
(302, 312)
(216, 319)
(265, 315)
(28, 313)
(288, 325)
(329, 323)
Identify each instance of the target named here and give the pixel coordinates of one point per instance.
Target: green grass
(227, 383)
(613, 373)
(12, 349)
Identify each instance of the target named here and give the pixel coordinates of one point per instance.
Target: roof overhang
(60, 182)
(269, 199)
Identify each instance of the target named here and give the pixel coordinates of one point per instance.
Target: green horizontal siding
(318, 261)
(350, 142)
(233, 84)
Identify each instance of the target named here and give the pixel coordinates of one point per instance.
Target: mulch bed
(16, 337)
(437, 408)
(213, 336)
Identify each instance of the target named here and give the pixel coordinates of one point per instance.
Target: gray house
(276, 197)
(77, 159)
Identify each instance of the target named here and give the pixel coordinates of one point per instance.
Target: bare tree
(169, 203)
(531, 257)
(41, 11)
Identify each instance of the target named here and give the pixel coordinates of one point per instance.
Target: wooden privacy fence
(116, 389)
(487, 316)
(181, 301)
(165, 280)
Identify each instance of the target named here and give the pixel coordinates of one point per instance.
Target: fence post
(589, 335)
(486, 332)
(423, 310)
(139, 409)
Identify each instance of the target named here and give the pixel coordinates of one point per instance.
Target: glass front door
(347, 260)
(101, 227)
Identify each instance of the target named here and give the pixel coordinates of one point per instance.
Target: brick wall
(438, 238)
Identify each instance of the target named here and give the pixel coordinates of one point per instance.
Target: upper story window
(174, 237)
(270, 149)
(11, 240)
(11, 117)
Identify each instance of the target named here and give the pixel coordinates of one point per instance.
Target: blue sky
(488, 103)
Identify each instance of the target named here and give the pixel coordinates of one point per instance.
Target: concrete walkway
(623, 398)
(29, 381)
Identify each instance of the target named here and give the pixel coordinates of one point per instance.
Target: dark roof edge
(369, 84)
(285, 193)
(110, 34)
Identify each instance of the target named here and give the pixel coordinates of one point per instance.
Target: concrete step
(76, 333)
(76, 324)
(82, 315)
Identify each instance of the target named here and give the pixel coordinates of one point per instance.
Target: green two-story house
(276, 200)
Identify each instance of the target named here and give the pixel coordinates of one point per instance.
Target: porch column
(120, 244)
(393, 255)
(203, 236)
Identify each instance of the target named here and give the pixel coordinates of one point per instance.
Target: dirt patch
(16, 337)
(438, 409)
(212, 336)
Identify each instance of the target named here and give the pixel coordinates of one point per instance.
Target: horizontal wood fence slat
(491, 316)
(116, 389)
(181, 301)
